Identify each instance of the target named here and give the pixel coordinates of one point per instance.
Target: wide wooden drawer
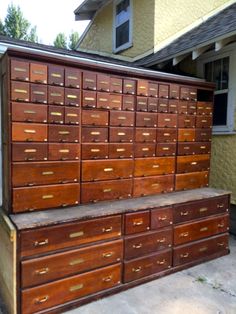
(63, 133)
(29, 151)
(72, 77)
(153, 185)
(193, 163)
(19, 70)
(106, 169)
(200, 229)
(53, 267)
(166, 149)
(122, 135)
(121, 118)
(56, 95)
(52, 238)
(204, 122)
(43, 173)
(20, 91)
(72, 288)
(128, 103)
(144, 150)
(203, 135)
(39, 93)
(186, 135)
(148, 265)
(161, 217)
(192, 180)
(200, 249)
(204, 108)
(200, 209)
(94, 151)
(154, 166)
(25, 132)
(106, 190)
(43, 197)
(120, 150)
(166, 135)
(89, 99)
(186, 121)
(139, 245)
(167, 120)
(146, 119)
(72, 97)
(145, 135)
(194, 148)
(137, 222)
(29, 113)
(95, 117)
(63, 151)
(94, 135)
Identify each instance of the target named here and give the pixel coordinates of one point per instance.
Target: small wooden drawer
(200, 249)
(142, 104)
(103, 101)
(43, 173)
(183, 107)
(106, 190)
(154, 166)
(72, 115)
(63, 133)
(103, 82)
(129, 87)
(184, 93)
(144, 150)
(44, 197)
(186, 121)
(94, 151)
(53, 267)
(38, 93)
(204, 122)
(106, 170)
(146, 119)
(163, 105)
(193, 94)
(194, 148)
(142, 88)
(121, 118)
(25, 132)
(174, 91)
(152, 89)
(192, 180)
(115, 102)
(56, 114)
(148, 265)
(128, 103)
(29, 151)
(20, 91)
(186, 135)
(146, 243)
(38, 73)
(95, 117)
(29, 113)
(204, 108)
(72, 77)
(72, 97)
(200, 229)
(145, 135)
(62, 152)
(153, 185)
(19, 70)
(166, 149)
(116, 85)
(161, 217)
(137, 222)
(164, 135)
(89, 99)
(192, 107)
(167, 120)
(121, 135)
(203, 135)
(193, 163)
(94, 135)
(164, 90)
(56, 75)
(55, 95)
(120, 150)
(89, 80)
(69, 289)
(152, 104)
(173, 106)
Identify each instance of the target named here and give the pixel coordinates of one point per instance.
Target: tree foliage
(73, 40)
(61, 40)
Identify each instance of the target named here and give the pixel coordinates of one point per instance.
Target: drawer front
(186, 121)
(121, 135)
(142, 88)
(200, 229)
(20, 91)
(164, 135)
(167, 121)
(152, 89)
(94, 117)
(142, 104)
(153, 104)
(72, 97)
(204, 122)
(144, 150)
(121, 118)
(65, 151)
(192, 180)
(174, 91)
(120, 151)
(137, 222)
(186, 135)
(39, 93)
(193, 163)
(103, 101)
(95, 151)
(204, 108)
(72, 77)
(183, 107)
(146, 119)
(163, 105)
(154, 166)
(203, 135)
(29, 152)
(29, 113)
(106, 190)
(128, 103)
(103, 82)
(53, 267)
(115, 102)
(161, 217)
(42, 240)
(145, 135)
(42, 173)
(72, 115)
(201, 249)
(106, 169)
(166, 149)
(25, 132)
(192, 107)
(153, 185)
(56, 75)
(19, 70)
(164, 90)
(116, 85)
(173, 106)
(148, 265)
(89, 80)
(38, 73)
(56, 114)
(184, 93)
(200, 209)
(150, 242)
(94, 135)
(63, 133)
(73, 288)
(194, 148)
(193, 94)
(89, 99)
(129, 87)
(43, 197)
(55, 95)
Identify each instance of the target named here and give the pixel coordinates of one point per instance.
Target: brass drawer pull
(166, 134)
(155, 166)
(63, 132)
(161, 240)
(53, 113)
(142, 103)
(29, 111)
(108, 169)
(77, 287)
(21, 91)
(120, 149)
(161, 262)
(71, 96)
(47, 196)
(42, 271)
(221, 244)
(136, 270)
(202, 147)
(76, 234)
(116, 101)
(193, 163)
(137, 246)
(89, 98)
(47, 173)
(186, 147)
(42, 300)
(138, 223)
(221, 225)
(72, 115)
(165, 148)
(41, 243)
(95, 150)
(184, 255)
(107, 279)
(203, 209)
(30, 150)
(167, 120)
(103, 99)
(36, 92)
(146, 134)
(121, 133)
(204, 121)
(20, 69)
(76, 261)
(203, 249)
(55, 94)
(203, 229)
(30, 131)
(184, 213)
(162, 218)
(145, 149)
(121, 118)
(155, 184)
(184, 234)
(70, 77)
(97, 116)
(163, 105)
(129, 85)
(107, 190)
(64, 151)
(107, 255)
(106, 230)
(220, 205)
(55, 75)
(95, 133)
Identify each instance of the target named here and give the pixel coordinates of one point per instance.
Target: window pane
(217, 73)
(122, 34)
(225, 73)
(220, 109)
(122, 12)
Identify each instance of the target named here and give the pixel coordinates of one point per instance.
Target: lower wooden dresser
(56, 260)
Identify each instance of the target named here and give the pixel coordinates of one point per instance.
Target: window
(122, 25)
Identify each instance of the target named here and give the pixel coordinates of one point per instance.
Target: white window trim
(130, 42)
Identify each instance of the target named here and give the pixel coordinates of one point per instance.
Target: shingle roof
(88, 9)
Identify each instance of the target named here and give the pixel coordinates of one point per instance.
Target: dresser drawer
(153, 104)
(106, 190)
(72, 77)
(137, 222)
(161, 217)
(146, 243)
(148, 265)
(204, 108)
(193, 94)
(121, 118)
(56, 75)
(152, 89)
(106, 169)
(72, 115)
(203, 135)
(56, 114)
(115, 102)
(174, 91)
(121, 135)
(144, 150)
(20, 91)
(95, 117)
(183, 107)
(204, 122)
(142, 88)
(163, 106)
(25, 132)
(59, 151)
(192, 107)
(200, 229)
(186, 121)
(116, 85)
(103, 101)
(142, 104)
(69, 235)
(72, 97)
(63, 133)
(194, 148)
(53, 267)
(128, 103)
(43, 173)
(193, 163)
(173, 106)
(146, 119)
(19, 70)
(89, 99)
(154, 166)
(129, 87)
(72, 288)
(120, 150)
(103, 82)
(200, 249)
(145, 135)
(164, 90)
(43, 197)
(89, 80)
(94, 151)
(56, 95)
(164, 135)
(167, 120)
(186, 135)
(94, 135)
(39, 93)
(153, 185)
(29, 113)
(166, 149)
(184, 93)
(38, 73)
(29, 151)
(192, 180)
